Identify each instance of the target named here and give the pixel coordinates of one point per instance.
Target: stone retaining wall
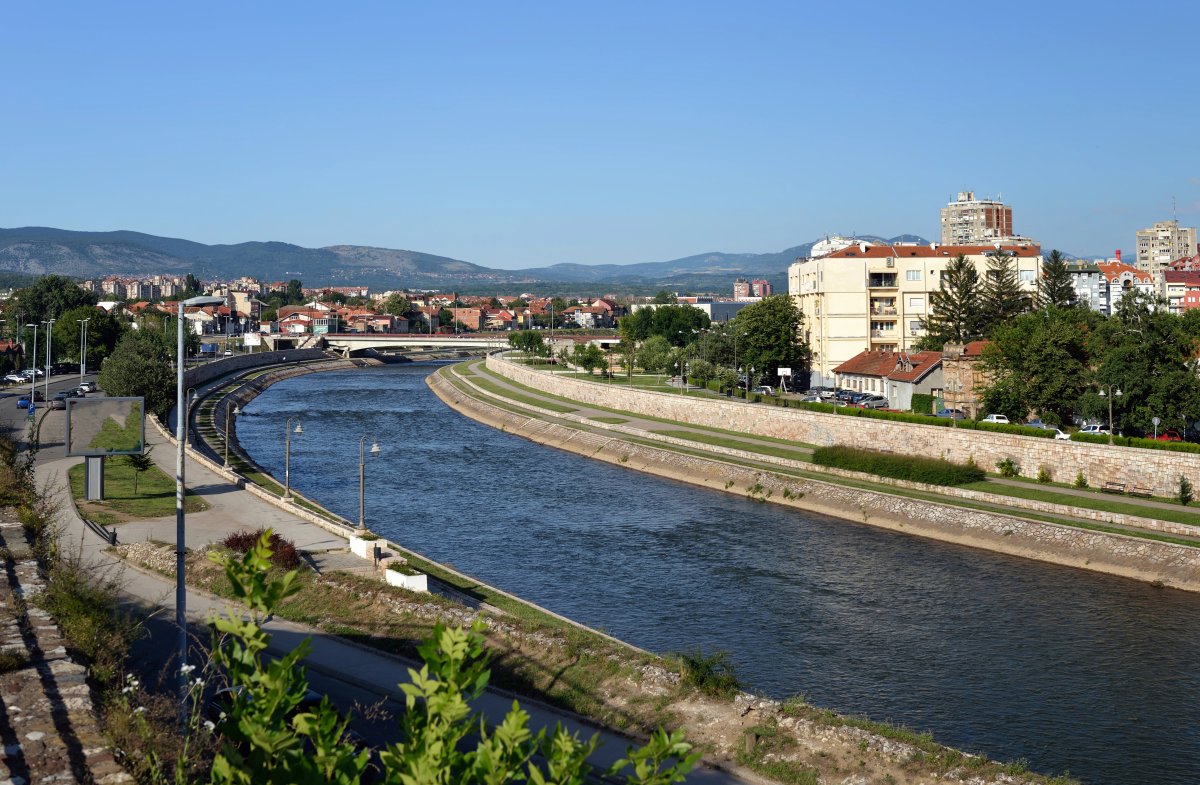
(1147, 560)
(1158, 470)
(202, 374)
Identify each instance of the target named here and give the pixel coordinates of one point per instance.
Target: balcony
(890, 335)
(881, 281)
(883, 311)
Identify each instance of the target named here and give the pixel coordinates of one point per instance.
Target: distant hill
(40, 250)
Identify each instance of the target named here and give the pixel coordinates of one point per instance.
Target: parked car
(1059, 433)
(873, 402)
(811, 399)
(1036, 422)
(957, 414)
(58, 403)
(87, 386)
(996, 418)
(13, 378)
(1169, 435)
(1095, 430)
(23, 401)
(764, 389)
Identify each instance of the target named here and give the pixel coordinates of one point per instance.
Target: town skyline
(620, 134)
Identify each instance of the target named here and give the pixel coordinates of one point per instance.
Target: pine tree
(1056, 287)
(1002, 296)
(954, 309)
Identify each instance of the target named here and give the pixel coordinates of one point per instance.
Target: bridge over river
(350, 343)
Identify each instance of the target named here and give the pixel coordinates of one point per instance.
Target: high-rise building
(741, 289)
(1162, 244)
(761, 288)
(971, 221)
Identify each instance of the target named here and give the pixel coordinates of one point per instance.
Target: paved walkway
(348, 671)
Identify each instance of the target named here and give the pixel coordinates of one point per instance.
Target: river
(1068, 669)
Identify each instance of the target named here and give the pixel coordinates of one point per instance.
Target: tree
(772, 337)
(655, 354)
(1056, 287)
(49, 297)
(1146, 352)
(636, 326)
(528, 341)
(294, 293)
(1002, 296)
(141, 366)
(1039, 362)
(191, 287)
(140, 462)
(103, 332)
(955, 313)
(398, 305)
(679, 324)
(702, 370)
(588, 356)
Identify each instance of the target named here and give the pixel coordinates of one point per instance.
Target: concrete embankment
(1133, 557)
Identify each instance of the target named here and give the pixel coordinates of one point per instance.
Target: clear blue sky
(523, 134)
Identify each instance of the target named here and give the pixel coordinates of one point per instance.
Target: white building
(875, 297)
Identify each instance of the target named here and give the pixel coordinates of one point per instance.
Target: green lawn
(738, 444)
(609, 420)
(155, 497)
(1105, 503)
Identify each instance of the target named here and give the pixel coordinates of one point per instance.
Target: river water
(1070, 670)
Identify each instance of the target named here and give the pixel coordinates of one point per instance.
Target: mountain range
(90, 255)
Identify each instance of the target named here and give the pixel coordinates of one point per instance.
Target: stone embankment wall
(1157, 470)
(49, 724)
(1132, 557)
(202, 374)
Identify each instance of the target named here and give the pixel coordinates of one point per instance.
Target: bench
(1140, 491)
(1113, 487)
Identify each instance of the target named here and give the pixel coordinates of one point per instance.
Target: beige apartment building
(874, 297)
(1162, 244)
(971, 221)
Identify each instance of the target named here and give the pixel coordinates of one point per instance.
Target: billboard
(106, 426)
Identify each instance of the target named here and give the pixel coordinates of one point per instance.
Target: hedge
(931, 471)
(922, 403)
(925, 419)
(1131, 441)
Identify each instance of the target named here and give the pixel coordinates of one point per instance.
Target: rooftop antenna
(1174, 210)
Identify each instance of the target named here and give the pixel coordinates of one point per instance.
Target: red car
(1169, 435)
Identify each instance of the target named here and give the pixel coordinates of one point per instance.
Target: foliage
(266, 740)
(925, 419)
(711, 674)
(588, 356)
(1008, 468)
(1147, 353)
(1043, 475)
(664, 297)
(901, 467)
(528, 341)
(655, 354)
(399, 305)
(1038, 362)
(1184, 494)
(50, 297)
(676, 323)
(769, 337)
(1080, 481)
(139, 462)
(922, 403)
(1002, 297)
(283, 551)
(955, 314)
(1056, 288)
(702, 371)
(103, 332)
(141, 366)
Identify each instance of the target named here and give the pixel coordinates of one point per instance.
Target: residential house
(1182, 290)
(1122, 280)
(895, 375)
(963, 377)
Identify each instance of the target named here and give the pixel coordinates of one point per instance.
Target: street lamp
(287, 455)
(180, 549)
(362, 474)
(954, 386)
(1110, 395)
(83, 323)
(735, 363)
(235, 411)
(49, 345)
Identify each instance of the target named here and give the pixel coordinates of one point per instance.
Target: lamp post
(1110, 395)
(362, 475)
(33, 366)
(235, 412)
(954, 386)
(735, 363)
(49, 346)
(180, 549)
(83, 323)
(287, 455)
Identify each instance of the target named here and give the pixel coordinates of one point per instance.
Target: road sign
(785, 371)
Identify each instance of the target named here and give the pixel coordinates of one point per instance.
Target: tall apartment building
(761, 288)
(874, 297)
(971, 221)
(741, 289)
(1162, 244)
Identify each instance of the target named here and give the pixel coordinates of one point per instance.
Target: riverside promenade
(351, 674)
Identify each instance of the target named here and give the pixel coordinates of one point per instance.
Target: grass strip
(495, 389)
(738, 444)
(1101, 503)
(155, 496)
(609, 420)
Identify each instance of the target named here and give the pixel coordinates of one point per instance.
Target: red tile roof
(1114, 270)
(1186, 277)
(894, 366)
(948, 251)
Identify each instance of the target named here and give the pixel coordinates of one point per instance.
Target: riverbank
(1153, 561)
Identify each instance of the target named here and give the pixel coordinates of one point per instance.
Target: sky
(525, 134)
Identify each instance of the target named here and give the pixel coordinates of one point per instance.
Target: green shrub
(927, 419)
(1008, 468)
(1080, 480)
(1130, 441)
(931, 471)
(1043, 474)
(711, 674)
(922, 403)
(1184, 494)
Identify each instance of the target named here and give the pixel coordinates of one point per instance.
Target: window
(914, 325)
(916, 302)
(1028, 276)
(912, 275)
